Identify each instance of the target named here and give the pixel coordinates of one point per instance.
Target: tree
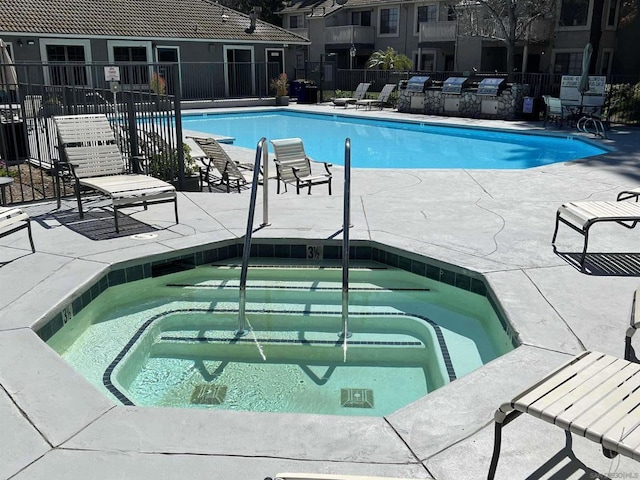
(269, 7)
(507, 21)
(389, 59)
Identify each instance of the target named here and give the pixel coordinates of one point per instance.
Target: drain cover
(209, 394)
(144, 236)
(356, 397)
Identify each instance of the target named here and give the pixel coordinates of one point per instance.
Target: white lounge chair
(14, 219)
(92, 157)
(594, 395)
(359, 94)
(294, 166)
(580, 216)
(218, 160)
(381, 101)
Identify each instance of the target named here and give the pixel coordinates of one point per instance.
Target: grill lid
(491, 86)
(455, 84)
(418, 84)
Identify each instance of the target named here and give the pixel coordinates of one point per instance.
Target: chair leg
(329, 186)
(175, 208)
(79, 201)
(555, 232)
(584, 249)
(496, 451)
(33, 248)
(115, 218)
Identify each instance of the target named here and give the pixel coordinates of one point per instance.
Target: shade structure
(8, 76)
(583, 84)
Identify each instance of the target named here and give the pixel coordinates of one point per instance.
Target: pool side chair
(581, 216)
(13, 220)
(381, 101)
(90, 154)
(594, 395)
(554, 111)
(217, 160)
(359, 94)
(294, 166)
(326, 476)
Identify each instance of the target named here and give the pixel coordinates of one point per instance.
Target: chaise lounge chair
(218, 160)
(359, 94)
(381, 101)
(580, 216)
(594, 395)
(12, 220)
(91, 155)
(293, 166)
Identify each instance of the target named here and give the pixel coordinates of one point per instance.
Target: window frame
(586, 26)
(417, 22)
(569, 51)
(111, 44)
(389, 7)
(85, 44)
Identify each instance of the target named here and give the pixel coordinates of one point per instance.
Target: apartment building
(431, 34)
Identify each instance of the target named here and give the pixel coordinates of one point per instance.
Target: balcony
(349, 34)
(444, 31)
(303, 32)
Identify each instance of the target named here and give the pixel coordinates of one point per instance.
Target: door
(275, 64)
(168, 54)
(240, 78)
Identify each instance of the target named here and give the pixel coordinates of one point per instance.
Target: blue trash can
(297, 90)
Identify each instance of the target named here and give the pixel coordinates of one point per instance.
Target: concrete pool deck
(498, 222)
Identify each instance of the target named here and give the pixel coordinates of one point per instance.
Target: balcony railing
(349, 34)
(437, 31)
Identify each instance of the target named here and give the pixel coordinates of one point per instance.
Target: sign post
(112, 75)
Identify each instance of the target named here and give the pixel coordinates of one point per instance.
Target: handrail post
(265, 186)
(242, 320)
(345, 244)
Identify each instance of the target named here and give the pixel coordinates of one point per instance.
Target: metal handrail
(242, 320)
(345, 242)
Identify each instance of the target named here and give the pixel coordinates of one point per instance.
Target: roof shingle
(186, 19)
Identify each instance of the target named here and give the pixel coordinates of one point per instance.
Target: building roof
(323, 8)
(184, 19)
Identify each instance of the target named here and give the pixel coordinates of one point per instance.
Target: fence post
(177, 99)
(133, 134)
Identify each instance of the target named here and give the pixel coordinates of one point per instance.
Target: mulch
(30, 183)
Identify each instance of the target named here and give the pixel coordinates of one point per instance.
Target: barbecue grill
(418, 84)
(492, 86)
(455, 85)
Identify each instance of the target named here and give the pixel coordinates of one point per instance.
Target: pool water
(394, 144)
(169, 340)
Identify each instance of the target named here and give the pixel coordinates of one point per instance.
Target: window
(61, 69)
(568, 63)
(361, 18)
(134, 74)
(426, 61)
(574, 13)
(612, 16)
(426, 13)
(296, 21)
(389, 21)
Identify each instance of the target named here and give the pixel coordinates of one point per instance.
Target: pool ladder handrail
(262, 154)
(346, 220)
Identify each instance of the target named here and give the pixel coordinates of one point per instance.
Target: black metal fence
(150, 96)
(146, 121)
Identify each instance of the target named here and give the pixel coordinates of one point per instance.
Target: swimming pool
(394, 144)
(169, 340)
